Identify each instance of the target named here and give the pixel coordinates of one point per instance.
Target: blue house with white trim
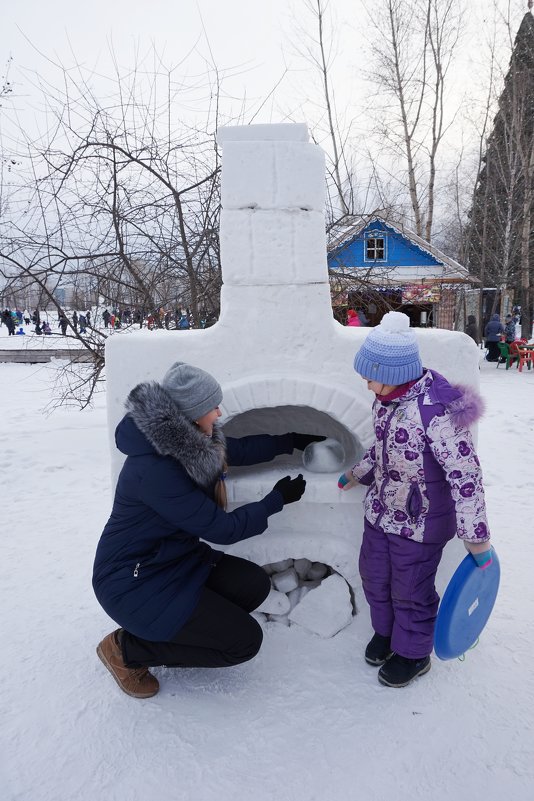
(376, 265)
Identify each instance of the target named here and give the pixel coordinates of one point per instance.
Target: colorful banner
(421, 293)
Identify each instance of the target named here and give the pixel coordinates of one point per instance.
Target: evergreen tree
(499, 237)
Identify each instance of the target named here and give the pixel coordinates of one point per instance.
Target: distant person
(353, 319)
(471, 328)
(363, 319)
(179, 602)
(63, 323)
(20, 332)
(492, 333)
(75, 321)
(10, 322)
(82, 322)
(106, 317)
(38, 329)
(509, 329)
(46, 328)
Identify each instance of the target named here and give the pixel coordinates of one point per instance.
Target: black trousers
(493, 351)
(220, 632)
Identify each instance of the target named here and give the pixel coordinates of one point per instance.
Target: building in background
(376, 266)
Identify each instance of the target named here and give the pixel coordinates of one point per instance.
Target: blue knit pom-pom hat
(390, 354)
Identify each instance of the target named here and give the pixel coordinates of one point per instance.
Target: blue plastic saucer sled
(465, 607)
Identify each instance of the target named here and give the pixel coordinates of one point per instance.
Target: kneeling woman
(179, 602)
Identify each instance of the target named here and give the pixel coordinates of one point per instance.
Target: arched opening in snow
(308, 594)
(250, 482)
(303, 419)
(311, 548)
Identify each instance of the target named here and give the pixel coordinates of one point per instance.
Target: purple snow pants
(398, 582)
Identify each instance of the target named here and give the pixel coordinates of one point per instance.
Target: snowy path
(307, 719)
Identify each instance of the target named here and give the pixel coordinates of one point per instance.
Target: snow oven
(284, 364)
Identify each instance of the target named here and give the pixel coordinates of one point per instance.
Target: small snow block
(285, 581)
(276, 603)
(466, 606)
(263, 132)
(325, 610)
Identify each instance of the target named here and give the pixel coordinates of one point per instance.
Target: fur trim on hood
(468, 408)
(171, 434)
(463, 403)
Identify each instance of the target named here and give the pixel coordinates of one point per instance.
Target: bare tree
(118, 197)
(413, 48)
(317, 46)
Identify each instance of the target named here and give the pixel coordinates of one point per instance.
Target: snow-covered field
(32, 341)
(307, 719)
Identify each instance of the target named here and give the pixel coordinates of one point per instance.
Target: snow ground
(306, 720)
(32, 341)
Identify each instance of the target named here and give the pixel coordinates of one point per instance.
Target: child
(509, 329)
(425, 486)
(353, 318)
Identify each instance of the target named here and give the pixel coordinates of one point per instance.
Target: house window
(375, 248)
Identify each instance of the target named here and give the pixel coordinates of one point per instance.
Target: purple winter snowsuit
(425, 485)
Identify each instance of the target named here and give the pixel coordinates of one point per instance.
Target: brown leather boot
(137, 682)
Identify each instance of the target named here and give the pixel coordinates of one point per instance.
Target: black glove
(300, 441)
(291, 489)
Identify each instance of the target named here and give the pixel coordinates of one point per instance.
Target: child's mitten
(346, 481)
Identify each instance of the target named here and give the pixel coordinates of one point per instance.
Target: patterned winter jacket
(424, 477)
(509, 331)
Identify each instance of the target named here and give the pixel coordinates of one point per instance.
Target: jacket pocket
(144, 562)
(414, 502)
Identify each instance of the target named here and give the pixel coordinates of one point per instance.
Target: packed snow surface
(306, 720)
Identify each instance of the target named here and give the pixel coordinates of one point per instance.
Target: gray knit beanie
(194, 391)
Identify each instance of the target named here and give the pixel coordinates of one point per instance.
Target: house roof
(351, 228)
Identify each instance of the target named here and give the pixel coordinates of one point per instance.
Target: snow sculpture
(283, 362)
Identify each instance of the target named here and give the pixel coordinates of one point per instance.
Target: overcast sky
(253, 41)
(251, 34)
(259, 36)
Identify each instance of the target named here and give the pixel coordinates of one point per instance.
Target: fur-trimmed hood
(169, 433)
(463, 403)
(468, 408)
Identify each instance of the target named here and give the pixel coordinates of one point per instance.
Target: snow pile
(326, 610)
(327, 456)
(304, 593)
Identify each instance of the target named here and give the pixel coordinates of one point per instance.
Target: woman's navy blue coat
(150, 564)
(494, 329)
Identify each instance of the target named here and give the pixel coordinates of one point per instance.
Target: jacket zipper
(136, 569)
(383, 487)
